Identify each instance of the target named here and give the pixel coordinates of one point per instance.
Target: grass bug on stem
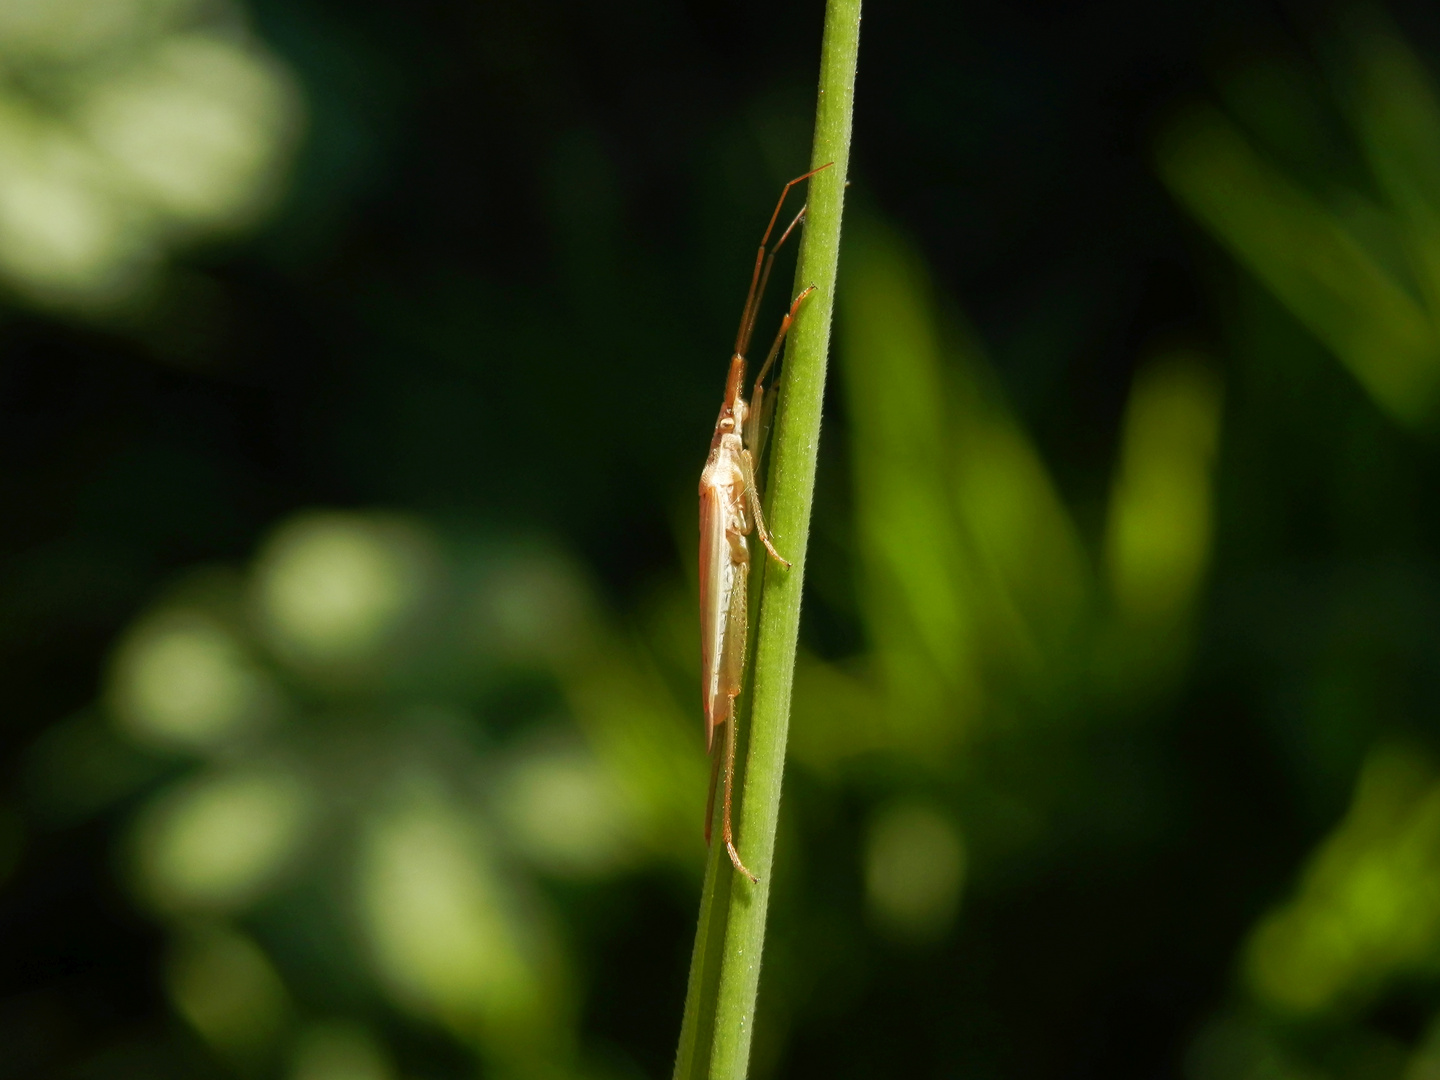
(729, 511)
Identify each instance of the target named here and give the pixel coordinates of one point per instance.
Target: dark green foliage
(347, 630)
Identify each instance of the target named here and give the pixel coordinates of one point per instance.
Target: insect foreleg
(756, 419)
(785, 324)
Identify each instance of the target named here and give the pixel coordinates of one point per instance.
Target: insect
(729, 510)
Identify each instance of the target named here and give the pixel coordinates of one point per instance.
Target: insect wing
(714, 599)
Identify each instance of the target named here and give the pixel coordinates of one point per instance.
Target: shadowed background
(357, 364)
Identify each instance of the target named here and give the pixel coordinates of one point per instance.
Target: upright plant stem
(725, 967)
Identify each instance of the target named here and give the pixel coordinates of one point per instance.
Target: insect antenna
(761, 274)
(765, 274)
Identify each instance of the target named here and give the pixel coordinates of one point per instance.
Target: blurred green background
(357, 364)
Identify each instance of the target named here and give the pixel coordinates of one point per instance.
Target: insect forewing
(714, 601)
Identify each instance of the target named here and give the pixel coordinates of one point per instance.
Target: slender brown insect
(729, 509)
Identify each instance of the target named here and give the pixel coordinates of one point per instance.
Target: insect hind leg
(729, 784)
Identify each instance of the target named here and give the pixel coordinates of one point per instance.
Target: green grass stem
(725, 966)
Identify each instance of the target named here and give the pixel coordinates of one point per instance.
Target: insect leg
(732, 664)
(785, 325)
(747, 469)
(755, 420)
(747, 326)
(757, 278)
(730, 783)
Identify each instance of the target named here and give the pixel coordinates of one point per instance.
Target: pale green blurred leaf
(1309, 258)
(1367, 908)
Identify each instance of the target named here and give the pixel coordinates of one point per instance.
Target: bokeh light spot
(565, 812)
(530, 606)
(196, 128)
(181, 680)
(1368, 907)
(339, 1051)
(914, 871)
(61, 230)
(158, 121)
(1157, 543)
(442, 932)
(219, 841)
(335, 589)
(224, 985)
